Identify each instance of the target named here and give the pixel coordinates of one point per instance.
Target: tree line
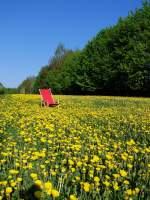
(115, 62)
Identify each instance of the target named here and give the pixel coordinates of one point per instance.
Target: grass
(89, 148)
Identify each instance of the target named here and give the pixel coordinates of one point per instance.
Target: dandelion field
(87, 148)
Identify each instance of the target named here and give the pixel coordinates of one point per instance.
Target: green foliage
(50, 75)
(1, 85)
(115, 62)
(2, 91)
(69, 73)
(11, 91)
(27, 85)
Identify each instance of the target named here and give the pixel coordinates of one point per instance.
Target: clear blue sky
(30, 30)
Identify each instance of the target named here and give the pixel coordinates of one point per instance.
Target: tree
(117, 56)
(27, 85)
(2, 89)
(114, 62)
(49, 75)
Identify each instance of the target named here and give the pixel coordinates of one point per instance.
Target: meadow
(90, 147)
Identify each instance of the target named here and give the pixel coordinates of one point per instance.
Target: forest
(115, 62)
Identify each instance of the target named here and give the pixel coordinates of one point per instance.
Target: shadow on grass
(29, 194)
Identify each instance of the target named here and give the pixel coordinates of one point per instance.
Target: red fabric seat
(47, 97)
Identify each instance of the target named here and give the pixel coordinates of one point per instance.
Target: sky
(30, 30)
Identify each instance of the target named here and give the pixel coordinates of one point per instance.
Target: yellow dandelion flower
(55, 193)
(126, 182)
(13, 183)
(19, 179)
(129, 166)
(33, 176)
(123, 173)
(73, 169)
(95, 158)
(79, 163)
(48, 187)
(116, 175)
(109, 156)
(129, 192)
(71, 162)
(77, 178)
(13, 171)
(4, 183)
(115, 186)
(96, 179)
(137, 190)
(106, 183)
(130, 142)
(53, 173)
(8, 190)
(86, 186)
(39, 183)
(73, 197)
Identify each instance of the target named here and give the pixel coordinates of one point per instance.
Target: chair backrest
(47, 96)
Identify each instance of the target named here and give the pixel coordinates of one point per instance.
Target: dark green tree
(115, 62)
(27, 85)
(2, 88)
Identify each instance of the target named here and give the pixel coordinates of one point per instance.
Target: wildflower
(48, 187)
(73, 197)
(95, 159)
(29, 166)
(137, 190)
(17, 164)
(13, 183)
(53, 173)
(96, 179)
(107, 177)
(109, 156)
(129, 192)
(86, 187)
(91, 175)
(42, 166)
(102, 166)
(131, 142)
(124, 156)
(77, 178)
(13, 171)
(39, 183)
(8, 190)
(115, 186)
(4, 183)
(135, 150)
(126, 182)
(33, 176)
(106, 183)
(123, 173)
(116, 175)
(129, 166)
(73, 169)
(19, 179)
(55, 193)
(79, 163)
(70, 162)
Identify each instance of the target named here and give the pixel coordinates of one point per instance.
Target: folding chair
(47, 98)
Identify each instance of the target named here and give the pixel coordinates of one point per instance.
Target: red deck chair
(47, 98)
